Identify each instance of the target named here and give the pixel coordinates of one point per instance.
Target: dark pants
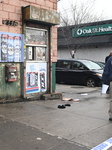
(110, 106)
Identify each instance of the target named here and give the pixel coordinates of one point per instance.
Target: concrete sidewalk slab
(17, 136)
(84, 123)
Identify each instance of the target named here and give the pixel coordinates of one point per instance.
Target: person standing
(108, 57)
(105, 63)
(107, 79)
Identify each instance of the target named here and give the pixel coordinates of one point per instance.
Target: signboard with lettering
(92, 30)
(41, 15)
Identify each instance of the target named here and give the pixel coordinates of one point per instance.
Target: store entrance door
(36, 60)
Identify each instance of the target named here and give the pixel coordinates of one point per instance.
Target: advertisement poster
(40, 53)
(11, 47)
(36, 77)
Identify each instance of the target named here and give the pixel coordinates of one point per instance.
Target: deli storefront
(37, 30)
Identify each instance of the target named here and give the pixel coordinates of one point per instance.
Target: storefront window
(36, 42)
(36, 53)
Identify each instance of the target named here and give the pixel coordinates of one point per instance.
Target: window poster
(11, 47)
(40, 51)
(36, 77)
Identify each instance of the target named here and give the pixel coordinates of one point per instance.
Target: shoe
(67, 105)
(61, 106)
(110, 119)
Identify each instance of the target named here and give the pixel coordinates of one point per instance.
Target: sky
(100, 7)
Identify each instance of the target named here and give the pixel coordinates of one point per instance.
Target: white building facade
(88, 41)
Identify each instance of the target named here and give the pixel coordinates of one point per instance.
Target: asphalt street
(41, 125)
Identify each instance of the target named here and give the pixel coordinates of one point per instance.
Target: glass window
(36, 53)
(40, 53)
(36, 36)
(64, 64)
(36, 44)
(78, 66)
(91, 65)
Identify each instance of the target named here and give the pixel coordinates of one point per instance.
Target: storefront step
(52, 96)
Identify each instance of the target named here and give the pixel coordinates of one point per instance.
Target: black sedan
(81, 72)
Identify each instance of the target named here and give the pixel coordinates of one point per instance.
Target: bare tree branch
(76, 15)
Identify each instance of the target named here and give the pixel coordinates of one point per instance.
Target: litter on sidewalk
(84, 94)
(70, 99)
(63, 106)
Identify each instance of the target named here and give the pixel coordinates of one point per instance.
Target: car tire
(90, 82)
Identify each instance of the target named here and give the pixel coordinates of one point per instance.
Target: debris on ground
(67, 99)
(67, 105)
(70, 99)
(63, 106)
(84, 94)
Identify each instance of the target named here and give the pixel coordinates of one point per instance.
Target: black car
(102, 64)
(81, 72)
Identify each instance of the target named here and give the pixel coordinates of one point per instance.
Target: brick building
(28, 47)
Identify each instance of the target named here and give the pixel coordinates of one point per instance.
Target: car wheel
(90, 82)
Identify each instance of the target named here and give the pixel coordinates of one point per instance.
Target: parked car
(102, 64)
(81, 72)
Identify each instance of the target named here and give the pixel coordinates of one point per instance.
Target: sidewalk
(81, 126)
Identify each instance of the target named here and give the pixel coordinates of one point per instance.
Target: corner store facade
(28, 37)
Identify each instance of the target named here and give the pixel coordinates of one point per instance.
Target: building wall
(11, 10)
(9, 90)
(93, 53)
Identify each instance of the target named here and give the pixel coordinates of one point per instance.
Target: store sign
(41, 15)
(92, 30)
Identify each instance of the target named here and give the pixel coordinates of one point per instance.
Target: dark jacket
(107, 73)
(107, 58)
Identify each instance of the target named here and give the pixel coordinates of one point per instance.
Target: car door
(62, 71)
(77, 74)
